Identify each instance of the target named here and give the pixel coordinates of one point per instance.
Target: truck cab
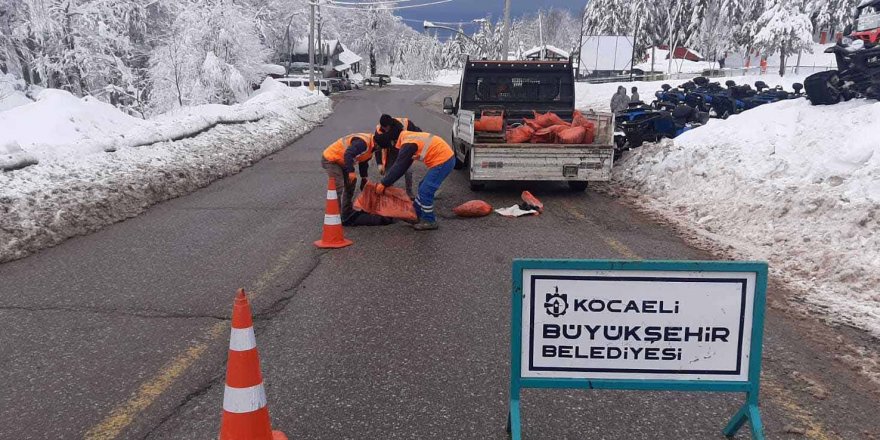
(516, 90)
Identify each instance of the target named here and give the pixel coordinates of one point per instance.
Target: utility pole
(505, 45)
(632, 61)
(312, 44)
(320, 42)
(541, 34)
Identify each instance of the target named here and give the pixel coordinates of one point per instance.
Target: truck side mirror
(847, 31)
(448, 106)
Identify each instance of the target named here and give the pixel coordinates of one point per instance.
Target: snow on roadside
(447, 78)
(794, 184)
(65, 195)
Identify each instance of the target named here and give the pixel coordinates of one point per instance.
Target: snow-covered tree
(213, 54)
(785, 28)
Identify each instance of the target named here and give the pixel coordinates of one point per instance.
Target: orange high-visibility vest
(336, 151)
(431, 149)
(402, 120)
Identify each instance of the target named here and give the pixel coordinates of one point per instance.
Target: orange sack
(493, 124)
(543, 136)
(573, 135)
(535, 126)
(548, 119)
(579, 120)
(520, 135)
(533, 201)
(392, 203)
(474, 208)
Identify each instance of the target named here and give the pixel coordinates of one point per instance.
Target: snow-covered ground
(794, 184)
(443, 78)
(97, 165)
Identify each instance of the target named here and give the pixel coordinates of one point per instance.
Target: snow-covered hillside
(93, 169)
(791, 183)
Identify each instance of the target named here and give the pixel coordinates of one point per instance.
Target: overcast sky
(467, 10)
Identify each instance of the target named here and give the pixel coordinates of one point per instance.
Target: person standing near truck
(635, 95)
(440, 160)
(339, 160)
(620, 100)
(387, 132)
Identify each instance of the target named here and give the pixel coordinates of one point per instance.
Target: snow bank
(77, 188)
(679, 65)
(59, 125)
(795, 184)
(598, 96)
(446, 78)
(12, 92)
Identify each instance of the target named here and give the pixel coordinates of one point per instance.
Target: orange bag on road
(573, 135)
(392, 203)
(533, 201)
(548, 119)
(520, 135)
(487, 123)
(474, 208)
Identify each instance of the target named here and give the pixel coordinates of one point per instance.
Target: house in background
(331, 56)
(546, 52)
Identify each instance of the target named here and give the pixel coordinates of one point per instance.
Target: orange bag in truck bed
(549, 119)
(579, 120)
(520, 135)
(573, 135)
(548, 135)
(487, 123)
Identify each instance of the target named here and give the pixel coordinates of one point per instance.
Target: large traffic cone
(245, 414)
(333, 237)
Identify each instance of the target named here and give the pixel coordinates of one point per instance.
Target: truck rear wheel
(577, 185)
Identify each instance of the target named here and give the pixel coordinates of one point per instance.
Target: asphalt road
(405, 335)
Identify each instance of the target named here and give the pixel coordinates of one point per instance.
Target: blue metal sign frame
(748, 412)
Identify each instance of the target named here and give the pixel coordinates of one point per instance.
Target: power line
(384, 8)
(368, 3)
(448, 23)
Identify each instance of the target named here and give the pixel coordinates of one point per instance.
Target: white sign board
(606, 52)
(656, 325)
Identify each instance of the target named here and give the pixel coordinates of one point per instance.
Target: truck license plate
(569, 171)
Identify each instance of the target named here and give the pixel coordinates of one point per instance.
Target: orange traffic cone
(333, 237)
(245, 414)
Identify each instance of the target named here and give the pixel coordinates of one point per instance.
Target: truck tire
(577, 185)
(823, 88)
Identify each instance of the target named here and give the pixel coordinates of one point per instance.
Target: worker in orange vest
(339, 160)
(387, 132)
(437, 156)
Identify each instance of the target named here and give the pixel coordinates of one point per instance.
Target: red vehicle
(868, 21)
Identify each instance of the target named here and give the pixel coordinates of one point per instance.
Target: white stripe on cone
(244, 400)
(331, 195)
(242, 339)
(332, 219)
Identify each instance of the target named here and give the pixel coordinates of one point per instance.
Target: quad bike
(858, 62)
(650, 125)
(669, 97)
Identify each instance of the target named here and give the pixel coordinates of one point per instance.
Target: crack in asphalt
(264, 318)
(138, 314)
(201, 390)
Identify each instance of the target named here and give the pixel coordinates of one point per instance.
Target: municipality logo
(556, 303)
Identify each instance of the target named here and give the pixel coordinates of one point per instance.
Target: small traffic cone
(245, 414)
(333, 237)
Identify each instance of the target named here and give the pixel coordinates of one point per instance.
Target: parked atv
(669, 97)
(650, 125)
(858, 62)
